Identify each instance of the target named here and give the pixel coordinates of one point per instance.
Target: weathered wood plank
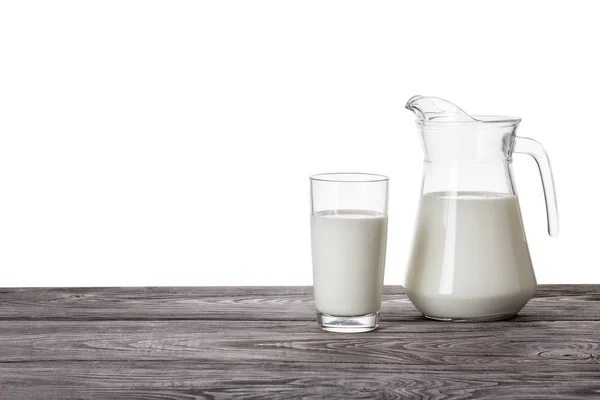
(184, 380)
(254, 343)
(552, 302)
(559, 343)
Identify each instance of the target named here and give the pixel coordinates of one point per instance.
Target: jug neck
(468, 141)
(468, 176)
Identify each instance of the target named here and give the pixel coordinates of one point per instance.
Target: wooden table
(263, 342)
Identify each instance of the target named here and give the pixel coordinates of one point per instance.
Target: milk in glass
(348, 254)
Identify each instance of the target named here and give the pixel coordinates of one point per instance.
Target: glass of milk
(348, 239)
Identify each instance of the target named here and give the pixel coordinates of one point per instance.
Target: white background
(170, 143)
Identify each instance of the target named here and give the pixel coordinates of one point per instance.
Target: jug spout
(428, 108)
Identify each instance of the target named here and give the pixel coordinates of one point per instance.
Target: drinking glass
(348, 239)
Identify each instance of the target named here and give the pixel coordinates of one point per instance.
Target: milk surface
(348, 254)
(469, 257)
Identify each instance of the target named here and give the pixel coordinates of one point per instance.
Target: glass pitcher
(469, 258)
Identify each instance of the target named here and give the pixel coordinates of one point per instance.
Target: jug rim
(495, 120)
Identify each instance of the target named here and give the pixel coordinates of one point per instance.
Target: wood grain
(293, 303)
(257, 343)
(189, 380)
(426, 343)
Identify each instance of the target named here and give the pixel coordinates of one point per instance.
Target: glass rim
(349, 177)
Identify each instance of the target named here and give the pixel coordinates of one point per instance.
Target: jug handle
(536, 150)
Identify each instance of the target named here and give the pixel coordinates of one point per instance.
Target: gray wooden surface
(263, 342)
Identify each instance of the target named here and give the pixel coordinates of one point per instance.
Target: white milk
(469, 257)
(348, 253)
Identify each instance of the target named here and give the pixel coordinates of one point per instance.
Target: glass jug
(469, 259)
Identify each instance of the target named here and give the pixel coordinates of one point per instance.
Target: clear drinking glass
(348, 237)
